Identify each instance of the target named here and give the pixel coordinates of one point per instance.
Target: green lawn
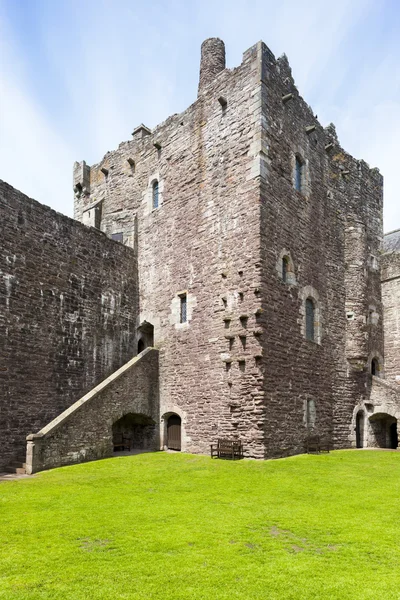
(179, 526)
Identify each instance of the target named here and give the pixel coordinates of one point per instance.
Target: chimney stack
(212, 61)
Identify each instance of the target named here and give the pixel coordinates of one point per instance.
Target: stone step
(19, 469)
(16, 464)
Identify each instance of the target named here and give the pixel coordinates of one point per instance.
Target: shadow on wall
(134, 431)
(383, 431)
(145, 336)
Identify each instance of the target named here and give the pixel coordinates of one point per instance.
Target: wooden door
(174, 433)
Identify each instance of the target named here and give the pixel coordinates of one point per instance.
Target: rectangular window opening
(299, 174)
(183, 311)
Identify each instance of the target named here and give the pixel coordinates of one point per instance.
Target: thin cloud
(92, 71)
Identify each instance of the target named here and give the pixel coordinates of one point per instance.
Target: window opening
(310, 318)
(285, 268)
(299, 174)
(183, 313)
(155, 194)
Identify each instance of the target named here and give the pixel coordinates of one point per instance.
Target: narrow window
(155, 194)
(299, 174)
(285, 266)
(183, 298)
(310, 318)
(117, 237)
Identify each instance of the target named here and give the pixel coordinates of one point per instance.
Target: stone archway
(383, 431)
(145, 336)
(172, 431)
(134, 431)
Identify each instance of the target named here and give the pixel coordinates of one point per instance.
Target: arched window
(285, 268)
(155, 194)
(298, 181)
(310, 320)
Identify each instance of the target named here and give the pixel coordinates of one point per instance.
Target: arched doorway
(375, 367)
(383, 431)
(360, 429)
(146, 336)
(134, 431)
(174, 427)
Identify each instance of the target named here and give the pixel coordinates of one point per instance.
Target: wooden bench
(314, 444)
(121, 442)
(227, 449)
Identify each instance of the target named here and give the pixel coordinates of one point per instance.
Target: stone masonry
(228, 211)
(68, 298)
(246, 249)
(391, 300)
(84, 431)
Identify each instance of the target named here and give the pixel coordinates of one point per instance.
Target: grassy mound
(176, 526)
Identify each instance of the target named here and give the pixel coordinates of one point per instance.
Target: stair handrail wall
(83, 431)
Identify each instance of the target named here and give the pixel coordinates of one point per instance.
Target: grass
(176, 526)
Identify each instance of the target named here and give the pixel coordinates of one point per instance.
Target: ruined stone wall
(390, 261)
(308, 225)
(202, 241)
(85, 430)
(68, 299)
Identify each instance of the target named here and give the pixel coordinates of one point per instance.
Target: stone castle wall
(228, 211)
(68, 299)
(311, 226)
(85, 430)
(390, 261)
(202, 241)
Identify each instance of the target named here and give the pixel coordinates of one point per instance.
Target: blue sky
(76, 76)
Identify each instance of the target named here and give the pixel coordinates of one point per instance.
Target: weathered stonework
(246, 210)
(68, 305)
(227, 166)
(390, 262)
(84, 431)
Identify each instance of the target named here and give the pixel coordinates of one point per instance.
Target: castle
(221, 278)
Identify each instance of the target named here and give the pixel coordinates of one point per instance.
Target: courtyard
(170, 525)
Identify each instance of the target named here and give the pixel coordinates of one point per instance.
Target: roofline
(390, 232)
